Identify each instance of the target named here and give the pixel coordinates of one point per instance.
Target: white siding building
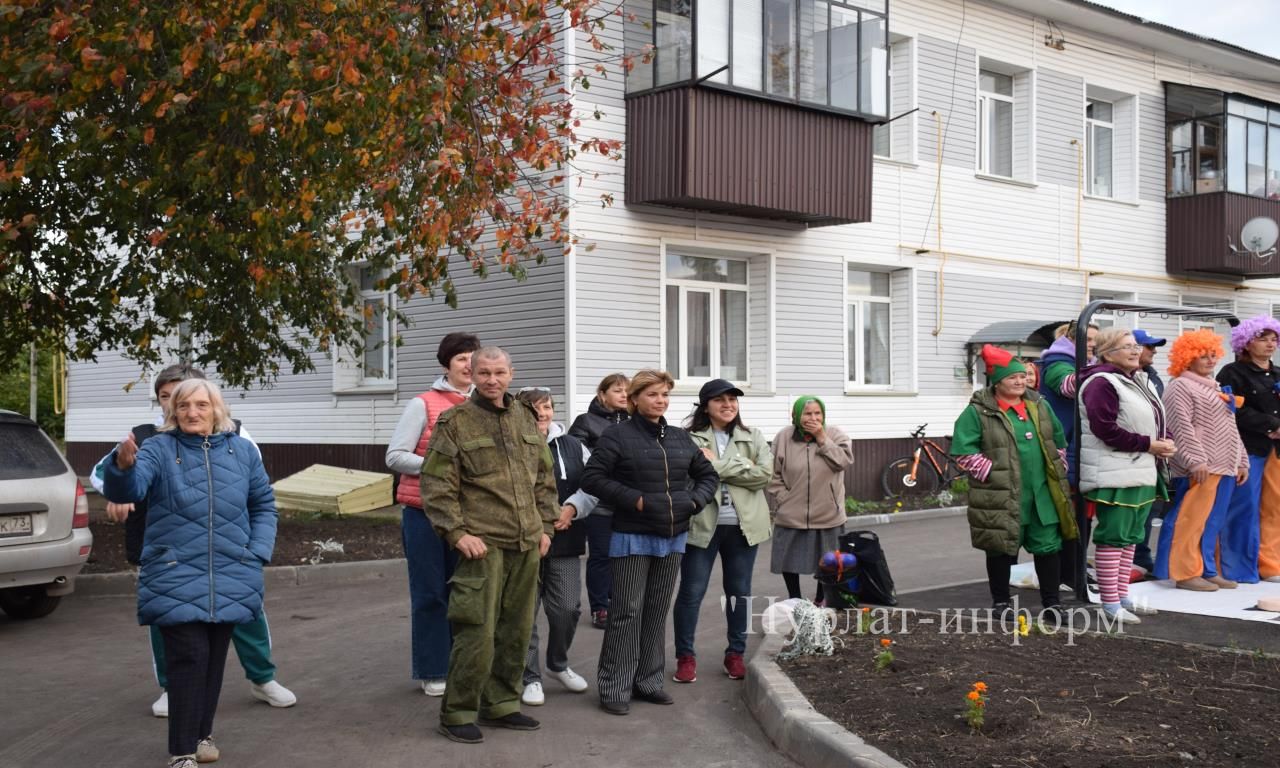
(1058, 179)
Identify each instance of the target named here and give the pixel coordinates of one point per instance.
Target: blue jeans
(431, 563)
(737, 558)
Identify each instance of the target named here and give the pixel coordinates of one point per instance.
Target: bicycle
(907, 475)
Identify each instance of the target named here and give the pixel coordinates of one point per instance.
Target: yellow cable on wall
(59, 371)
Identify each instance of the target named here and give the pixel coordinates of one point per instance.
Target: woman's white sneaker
(207, 751)
(274, 694)
(433, 687)
(533, 695)
(161, 706)
(570, 679)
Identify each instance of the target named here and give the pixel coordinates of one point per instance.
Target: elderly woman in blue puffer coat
(211, 527)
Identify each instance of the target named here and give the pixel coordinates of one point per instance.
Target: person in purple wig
(1250, 542)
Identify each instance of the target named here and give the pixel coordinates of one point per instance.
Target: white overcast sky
(1252, 24)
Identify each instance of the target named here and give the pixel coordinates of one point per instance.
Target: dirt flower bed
(296, 541)
(1108, 701)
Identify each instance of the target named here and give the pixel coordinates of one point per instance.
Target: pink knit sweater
(1203, 427)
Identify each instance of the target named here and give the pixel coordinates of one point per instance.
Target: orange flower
(974, 696)
(980, 686)
(885, 642)
(866, 610)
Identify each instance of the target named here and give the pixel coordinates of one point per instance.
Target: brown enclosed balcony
(765, 110)
(723, 152)
(1223, 205)
(1206, 233)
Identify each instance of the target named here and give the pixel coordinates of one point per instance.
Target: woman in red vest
(431, 561)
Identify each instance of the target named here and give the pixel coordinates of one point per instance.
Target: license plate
(15, 525)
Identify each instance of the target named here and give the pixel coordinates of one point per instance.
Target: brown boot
(1197, 584)
(1222, 581)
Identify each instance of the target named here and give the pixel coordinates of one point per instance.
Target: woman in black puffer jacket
(608, 407)
(655, 479)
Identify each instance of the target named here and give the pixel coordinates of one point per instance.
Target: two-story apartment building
(836, 197)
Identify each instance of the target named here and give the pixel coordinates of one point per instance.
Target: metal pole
(33, 373)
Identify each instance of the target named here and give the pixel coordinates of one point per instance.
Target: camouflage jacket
(488, 473)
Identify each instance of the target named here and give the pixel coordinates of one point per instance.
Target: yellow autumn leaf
(333, 127)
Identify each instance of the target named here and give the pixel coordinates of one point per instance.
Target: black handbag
(875, 583)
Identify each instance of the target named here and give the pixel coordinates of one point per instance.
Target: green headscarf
(797, 408)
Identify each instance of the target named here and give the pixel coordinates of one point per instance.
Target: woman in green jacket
(732, 526)
(1013, 448)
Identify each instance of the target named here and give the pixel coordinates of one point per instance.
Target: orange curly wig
(1190, 345)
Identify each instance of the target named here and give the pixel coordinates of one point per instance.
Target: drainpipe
(937, 192)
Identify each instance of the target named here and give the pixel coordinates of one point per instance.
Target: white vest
(1104, 467)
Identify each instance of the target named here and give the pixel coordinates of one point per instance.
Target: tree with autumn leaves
(218, 164)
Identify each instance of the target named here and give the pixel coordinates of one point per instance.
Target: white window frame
(714, 289)
(984, 101)
(1091, 124)
(857, 356)
(1206, 302)
(1112, 319)
(388, 297)
(348, 368)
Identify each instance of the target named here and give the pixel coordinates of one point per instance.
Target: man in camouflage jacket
(489, 491)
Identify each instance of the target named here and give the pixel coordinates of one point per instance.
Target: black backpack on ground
(875, 584)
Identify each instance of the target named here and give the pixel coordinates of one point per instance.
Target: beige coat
(807, 489)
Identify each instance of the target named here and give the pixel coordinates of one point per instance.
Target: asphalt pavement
(76, 687)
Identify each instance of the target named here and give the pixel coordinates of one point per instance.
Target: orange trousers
(1269, 519)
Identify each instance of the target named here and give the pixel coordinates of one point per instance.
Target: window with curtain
(706, 307)
(869, 345)
(377, 366)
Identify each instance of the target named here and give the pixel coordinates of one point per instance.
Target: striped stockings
(1114, 565)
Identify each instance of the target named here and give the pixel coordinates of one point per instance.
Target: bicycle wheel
(897, 481)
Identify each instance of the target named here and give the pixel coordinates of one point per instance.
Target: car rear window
(25, 453)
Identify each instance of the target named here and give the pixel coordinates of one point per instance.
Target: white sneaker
(570, 679)
(1140, 609)
(274, 694)
(183, 761)
(433, 687)
(1118, 611)
(161, 707)
(533, 695)
(1273, 579)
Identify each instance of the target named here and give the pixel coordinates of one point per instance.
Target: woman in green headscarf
(807, 491)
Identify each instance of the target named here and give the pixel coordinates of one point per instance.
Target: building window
(995, 123)
(869, 346)
(1099, 132)
(377, 365)
(1109, 318)
(823, 53)
(1253, 149)
(706, 308)
(893, 140)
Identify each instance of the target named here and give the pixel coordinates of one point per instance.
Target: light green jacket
(746, 468)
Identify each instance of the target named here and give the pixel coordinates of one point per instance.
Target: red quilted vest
(436, 402)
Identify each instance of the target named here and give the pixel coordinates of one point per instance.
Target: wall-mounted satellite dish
(1258, 237)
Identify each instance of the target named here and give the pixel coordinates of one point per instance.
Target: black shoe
(514, 721)
(616, 707)
(467, 733)
(657, 697)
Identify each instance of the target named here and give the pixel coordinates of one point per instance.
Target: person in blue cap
(1142, 556)
(1147, 359)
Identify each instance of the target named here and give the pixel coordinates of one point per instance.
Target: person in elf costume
(1210, 463)
(1251, 534)
(1013, 447)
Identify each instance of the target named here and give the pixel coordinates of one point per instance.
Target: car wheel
(27, 602)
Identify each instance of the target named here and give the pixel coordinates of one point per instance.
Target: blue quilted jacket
(211, 526)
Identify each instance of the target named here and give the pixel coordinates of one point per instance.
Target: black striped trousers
(633, 655)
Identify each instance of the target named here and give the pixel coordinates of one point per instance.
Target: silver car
(44, 521)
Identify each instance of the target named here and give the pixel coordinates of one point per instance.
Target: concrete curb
(904, 517)
(116, 584)
(794, 726)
